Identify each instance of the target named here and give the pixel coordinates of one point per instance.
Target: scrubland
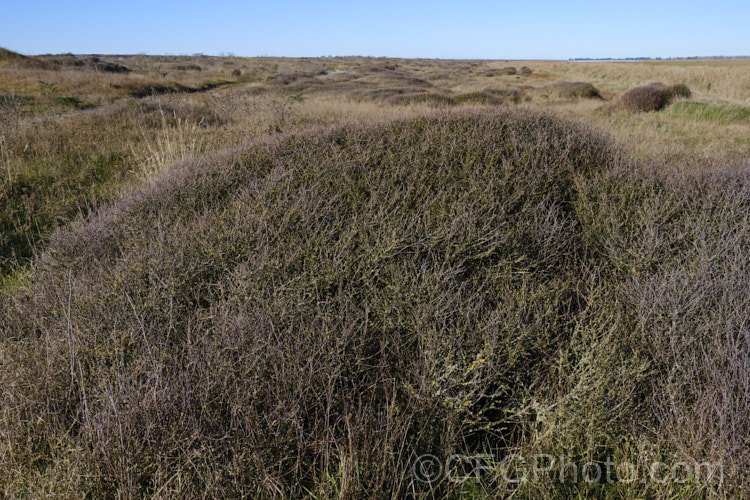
(233, 277)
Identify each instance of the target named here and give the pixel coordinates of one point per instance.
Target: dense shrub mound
(491, 96)
(429, 98)
(16, 60)
(672, 250)
(478, 98)
(394, 79)
(576, 90)
(507, 71)
(385, 93)
(308, 313)
(311, 313)
(187, 67)
(86, 63)
(652, 97)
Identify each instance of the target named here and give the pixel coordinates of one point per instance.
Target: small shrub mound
(428, 98)
(303, 315)
(478, 98)
(507, 71)
(106, 66)
(385, 93)
(393, 79)
(377, 68)
(16, 60)
(491, 97)
(93, 63)
(652, 97)
(187, 67)
(145, 88)
(676, 91)
(576, 90)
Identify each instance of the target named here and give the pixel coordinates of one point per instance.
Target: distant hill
(10, 58)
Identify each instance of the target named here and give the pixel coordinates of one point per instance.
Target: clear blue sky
(518, 29)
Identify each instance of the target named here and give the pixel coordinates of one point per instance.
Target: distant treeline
(654, 58)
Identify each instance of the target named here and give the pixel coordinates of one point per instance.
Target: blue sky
(538, 29)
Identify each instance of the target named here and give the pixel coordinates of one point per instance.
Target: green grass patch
(719, 113)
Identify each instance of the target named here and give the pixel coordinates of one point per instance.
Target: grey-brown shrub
(672, 253)
(429, 98)
(313, 312)
(652, 97)
(576, 90)
(327, 305)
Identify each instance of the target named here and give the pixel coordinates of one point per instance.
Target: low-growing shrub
(680, 90)
(71, 101)
(491, 97)
(576, 90)
(652, 97)
(393, 79)
(429, 98)
(306, 314)
(478, 98)
(510, 70)
(385, 93)
(8, 58)
(187, 67)
(143, 88)
(646, 98)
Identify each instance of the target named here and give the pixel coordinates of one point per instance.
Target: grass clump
(304, 314)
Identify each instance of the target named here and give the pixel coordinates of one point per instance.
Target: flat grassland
(273, 277)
